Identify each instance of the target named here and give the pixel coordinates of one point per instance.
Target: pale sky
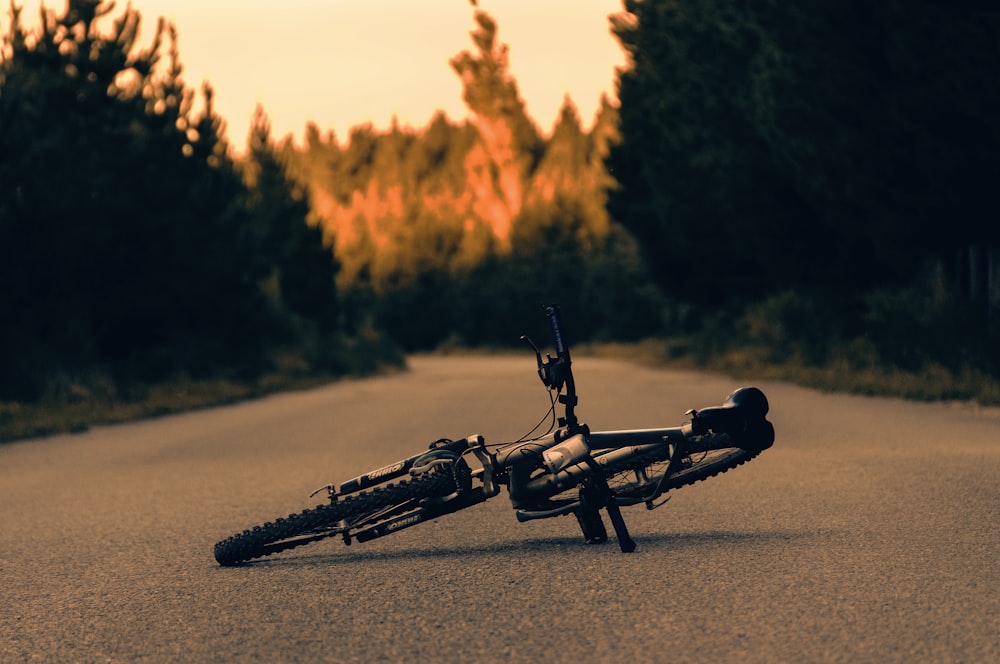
(343, 63)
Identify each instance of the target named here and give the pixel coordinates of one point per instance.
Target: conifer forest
(815, 182)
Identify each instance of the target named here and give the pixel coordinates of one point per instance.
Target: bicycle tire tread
(688, 477)
(254, 542)
(698, 473)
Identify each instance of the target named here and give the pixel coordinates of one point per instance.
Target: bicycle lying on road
(567, 470)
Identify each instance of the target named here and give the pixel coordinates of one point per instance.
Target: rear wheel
(365, 508)
(640, 479)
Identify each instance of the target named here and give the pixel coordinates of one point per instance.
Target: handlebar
(557, 372)
(555, 323)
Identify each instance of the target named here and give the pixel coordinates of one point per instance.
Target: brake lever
(543, 368)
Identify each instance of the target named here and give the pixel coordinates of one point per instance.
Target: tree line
(457, 231)
(132, 246)
(807, 179)
(835, 161)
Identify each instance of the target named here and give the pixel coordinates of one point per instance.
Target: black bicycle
(567, 470)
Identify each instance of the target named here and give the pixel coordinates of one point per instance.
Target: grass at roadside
(30, 420)
(933, 383)
(75, 403)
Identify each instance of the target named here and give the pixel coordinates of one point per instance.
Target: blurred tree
(839, 144)
(457, 231)
(397, 202)
(304, 266)
(571, 168)
(122, 218)
(696, 186)
(509, 144)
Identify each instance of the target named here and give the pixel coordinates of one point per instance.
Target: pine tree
(837, 146)
(303, 265)
(510, 145)
(121, 215)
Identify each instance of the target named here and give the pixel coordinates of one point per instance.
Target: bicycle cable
(550, 415)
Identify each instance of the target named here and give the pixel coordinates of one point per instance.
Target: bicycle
(567, 470)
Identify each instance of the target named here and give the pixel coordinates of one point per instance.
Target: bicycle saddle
(742, 416)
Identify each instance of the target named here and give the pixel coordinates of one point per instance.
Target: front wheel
(367, 507)
(641, 479)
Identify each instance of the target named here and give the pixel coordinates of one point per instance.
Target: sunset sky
(342, 63)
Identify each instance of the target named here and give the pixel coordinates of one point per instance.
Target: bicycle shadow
(555, 546)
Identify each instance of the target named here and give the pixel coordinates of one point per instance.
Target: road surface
(868, 533)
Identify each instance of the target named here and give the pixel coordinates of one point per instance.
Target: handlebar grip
(552, 313)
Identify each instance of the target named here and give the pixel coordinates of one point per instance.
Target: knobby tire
(325, 520)
(708, 456)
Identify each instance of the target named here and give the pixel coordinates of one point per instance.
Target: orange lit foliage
(451, 195)
(456, 231)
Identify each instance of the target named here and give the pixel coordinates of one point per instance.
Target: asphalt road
(868, 533)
